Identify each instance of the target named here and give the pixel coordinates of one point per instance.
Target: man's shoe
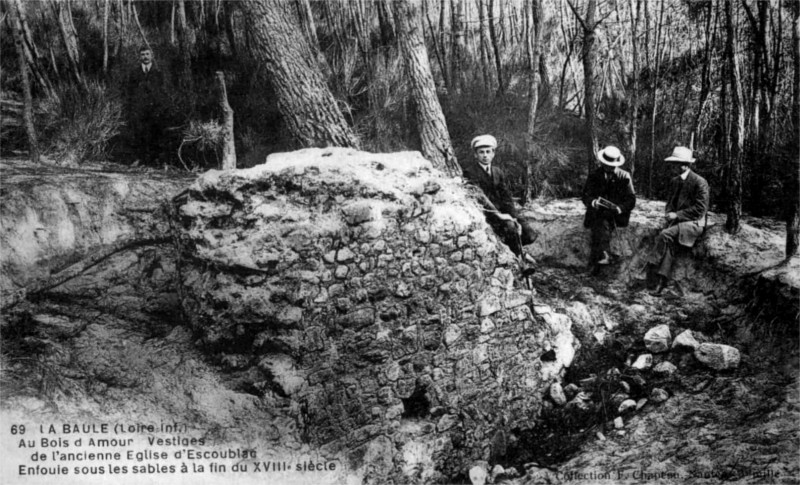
(605, 260)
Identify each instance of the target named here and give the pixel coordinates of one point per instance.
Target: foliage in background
(356, 49)
(77, 125)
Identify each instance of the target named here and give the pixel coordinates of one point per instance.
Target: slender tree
(501, 86)
(634, 114)
(535, 15)
(459, 48)
(306, 104)
(27, 109)
(792, 185)
(433, 133)
(589, 25)
(734, 131)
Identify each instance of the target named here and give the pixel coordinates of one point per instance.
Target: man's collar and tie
(146, 67)
(685, 174)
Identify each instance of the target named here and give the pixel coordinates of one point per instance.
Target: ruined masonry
(366, 294)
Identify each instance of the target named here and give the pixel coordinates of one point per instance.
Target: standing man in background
(498, 205)
(609, 199)
(145, 102)
(685, 213)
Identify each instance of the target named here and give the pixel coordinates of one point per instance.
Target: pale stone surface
(685, 340)
(657, 339)
(718, 356)
(667, 368)
(643, 362)
(626, 405)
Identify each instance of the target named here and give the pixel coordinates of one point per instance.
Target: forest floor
(110, 346)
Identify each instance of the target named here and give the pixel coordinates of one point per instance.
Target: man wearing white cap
(498, 206)
(686, 211)
(609, 199)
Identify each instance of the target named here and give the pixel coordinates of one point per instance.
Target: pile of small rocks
(632, 392)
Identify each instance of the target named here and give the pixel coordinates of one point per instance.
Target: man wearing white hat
(498, 206)
(609, 199)
(685, 212)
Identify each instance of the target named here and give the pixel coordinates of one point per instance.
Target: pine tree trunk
(106, 8)
(186, 46)
(501, 87)
(736, 130)
(534, 48)
(634, 114)
(589, 58)
(70, 42)
(433, 133)
(27, 111)
(309, 110)
(459, 49)
(792, 187)
(31, 53)
(483, 40)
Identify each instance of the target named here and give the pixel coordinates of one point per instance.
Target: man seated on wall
(609, 199)
(497, 204)
(685, 212)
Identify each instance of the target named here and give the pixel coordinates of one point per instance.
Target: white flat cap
(484, 141)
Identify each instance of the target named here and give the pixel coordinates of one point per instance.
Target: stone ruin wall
(366, 294)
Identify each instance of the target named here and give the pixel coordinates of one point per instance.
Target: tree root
(12, 298)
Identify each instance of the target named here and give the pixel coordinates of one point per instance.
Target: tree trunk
(228, 146)
(70, 41)
(634, 115)
(705, 77)
(792, 187)
(385, 22)
(435, 42)
(459, 49)
(734, 178)
(483, 39)
(534, 47)
(186, 46)
(31, 53)
(230, 32)
(309, 28)
(655, 74)
(105, 37)
(27, 111)
(139, 25)
(589, 56)
(433, 134)
(308, 108)
(501, 87)
(446, 63)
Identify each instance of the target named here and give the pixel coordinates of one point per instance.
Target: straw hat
(680, 155)
(610, 156)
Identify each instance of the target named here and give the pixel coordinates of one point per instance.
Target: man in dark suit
(686, 211)
(498, 206)
(145, 104)
(609, 199)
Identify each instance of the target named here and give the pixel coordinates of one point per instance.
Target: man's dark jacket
(689, 200)
(617, 188)
(495, 187)
(145, 91)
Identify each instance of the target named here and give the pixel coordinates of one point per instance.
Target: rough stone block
(718, 356)
(657, 339)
